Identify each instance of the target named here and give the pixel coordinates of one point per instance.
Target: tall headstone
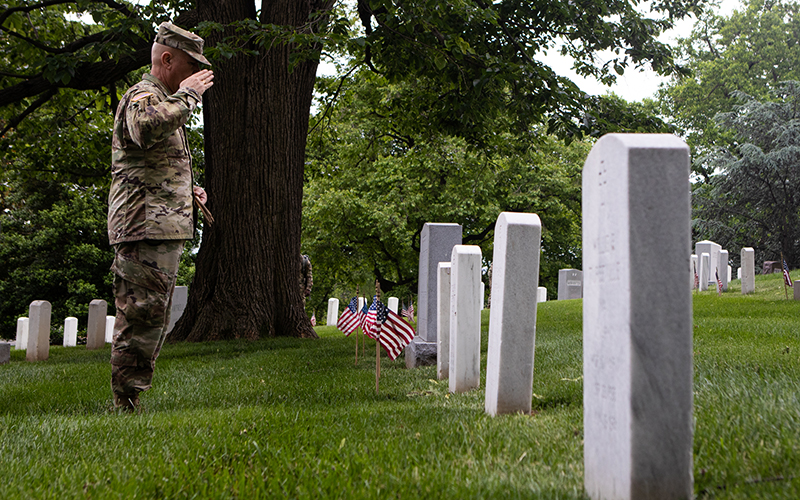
(730, 270)
(512, 319)
(109, 329)
(465, 318)
(738, 273)
(796, 290)
(70, 332)
(393, 304)
(23, 326)
(436, 243)
(443, 325)
(713, 250)
(541, 294)
(483, 295)
(96, 325)
(705, 264)
(180, 297)
(39, 331)
(748, 260)
(723, 269)
(570, 284)
(637, 319)
(333, 311)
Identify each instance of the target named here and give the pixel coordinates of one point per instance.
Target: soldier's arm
(150, 121)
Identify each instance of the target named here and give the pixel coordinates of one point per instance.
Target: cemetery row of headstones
(637, 318)
(33, 332)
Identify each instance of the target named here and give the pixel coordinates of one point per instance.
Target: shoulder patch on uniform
(139, 97)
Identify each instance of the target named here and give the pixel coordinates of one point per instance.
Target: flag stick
(377, 345)
(783, 273)
(357, 328)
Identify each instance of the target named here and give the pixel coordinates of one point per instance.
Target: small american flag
(392, 331)
(408, 312)
(368, 316)
(313, 319)
(719, 283)
(350, 319)
(696, 278)
(786, 278)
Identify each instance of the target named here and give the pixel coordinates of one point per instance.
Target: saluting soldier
(150, 214)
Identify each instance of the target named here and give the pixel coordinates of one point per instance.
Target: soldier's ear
(166, 59)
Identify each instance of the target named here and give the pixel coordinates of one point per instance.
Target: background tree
(752, 50)
(472, 60)
(753, 198)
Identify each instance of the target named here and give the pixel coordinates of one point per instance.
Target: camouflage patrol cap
(178, 38)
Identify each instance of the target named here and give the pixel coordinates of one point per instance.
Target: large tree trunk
(256, 123)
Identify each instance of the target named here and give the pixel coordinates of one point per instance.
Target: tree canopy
(752, 50)
(753, 199)
(463, 70)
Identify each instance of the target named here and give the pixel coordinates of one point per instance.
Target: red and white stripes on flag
(392, 331)
(719, 283)
(408, 312)
(313, 319)
(350, 319)
(368, 315)
(786, 278)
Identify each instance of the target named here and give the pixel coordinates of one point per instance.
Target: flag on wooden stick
(786, 278)
(350, 319)
(719, 283)
(392, 331)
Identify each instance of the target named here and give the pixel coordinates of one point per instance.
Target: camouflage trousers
(144, 280)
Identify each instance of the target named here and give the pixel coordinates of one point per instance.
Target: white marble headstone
(96, 324)
(465, 318)
(713, 250)
(23, 325)
(333, 312)
(443, 327)
(512, 318)
(705, 271)
(393, 304)
(180, 297)
(39, 331)
(637, 319)
(570, 284)
(70, 332)
(724, 269)
(748, 260)
(542, 294)
(109, 337)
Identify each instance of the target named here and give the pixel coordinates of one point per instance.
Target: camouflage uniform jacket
(151, 165)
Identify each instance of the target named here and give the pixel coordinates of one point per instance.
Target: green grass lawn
(298, 418)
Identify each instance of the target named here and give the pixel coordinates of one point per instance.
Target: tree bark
(256, 115)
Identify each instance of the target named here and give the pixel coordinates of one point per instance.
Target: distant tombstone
(465, 318)
(637, 319)
(541, 294)
(483, 295)
(748, 260)
(39, 331)
(570, 284)
(361, 301)
(70, 332)
(180, 297)
(443, 318)
(713, 250)
(796, 289)
(771, 266)
(333, 311)
(693, 269)
(738, 273)
(730, 274)
(96, 325)
(109, 337)
(705, 264)
(5, 352)
(723, 269)
(393, 304)
(436, 243)
(512, 320)
(23, 325)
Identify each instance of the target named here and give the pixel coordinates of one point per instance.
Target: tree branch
(30, 109)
